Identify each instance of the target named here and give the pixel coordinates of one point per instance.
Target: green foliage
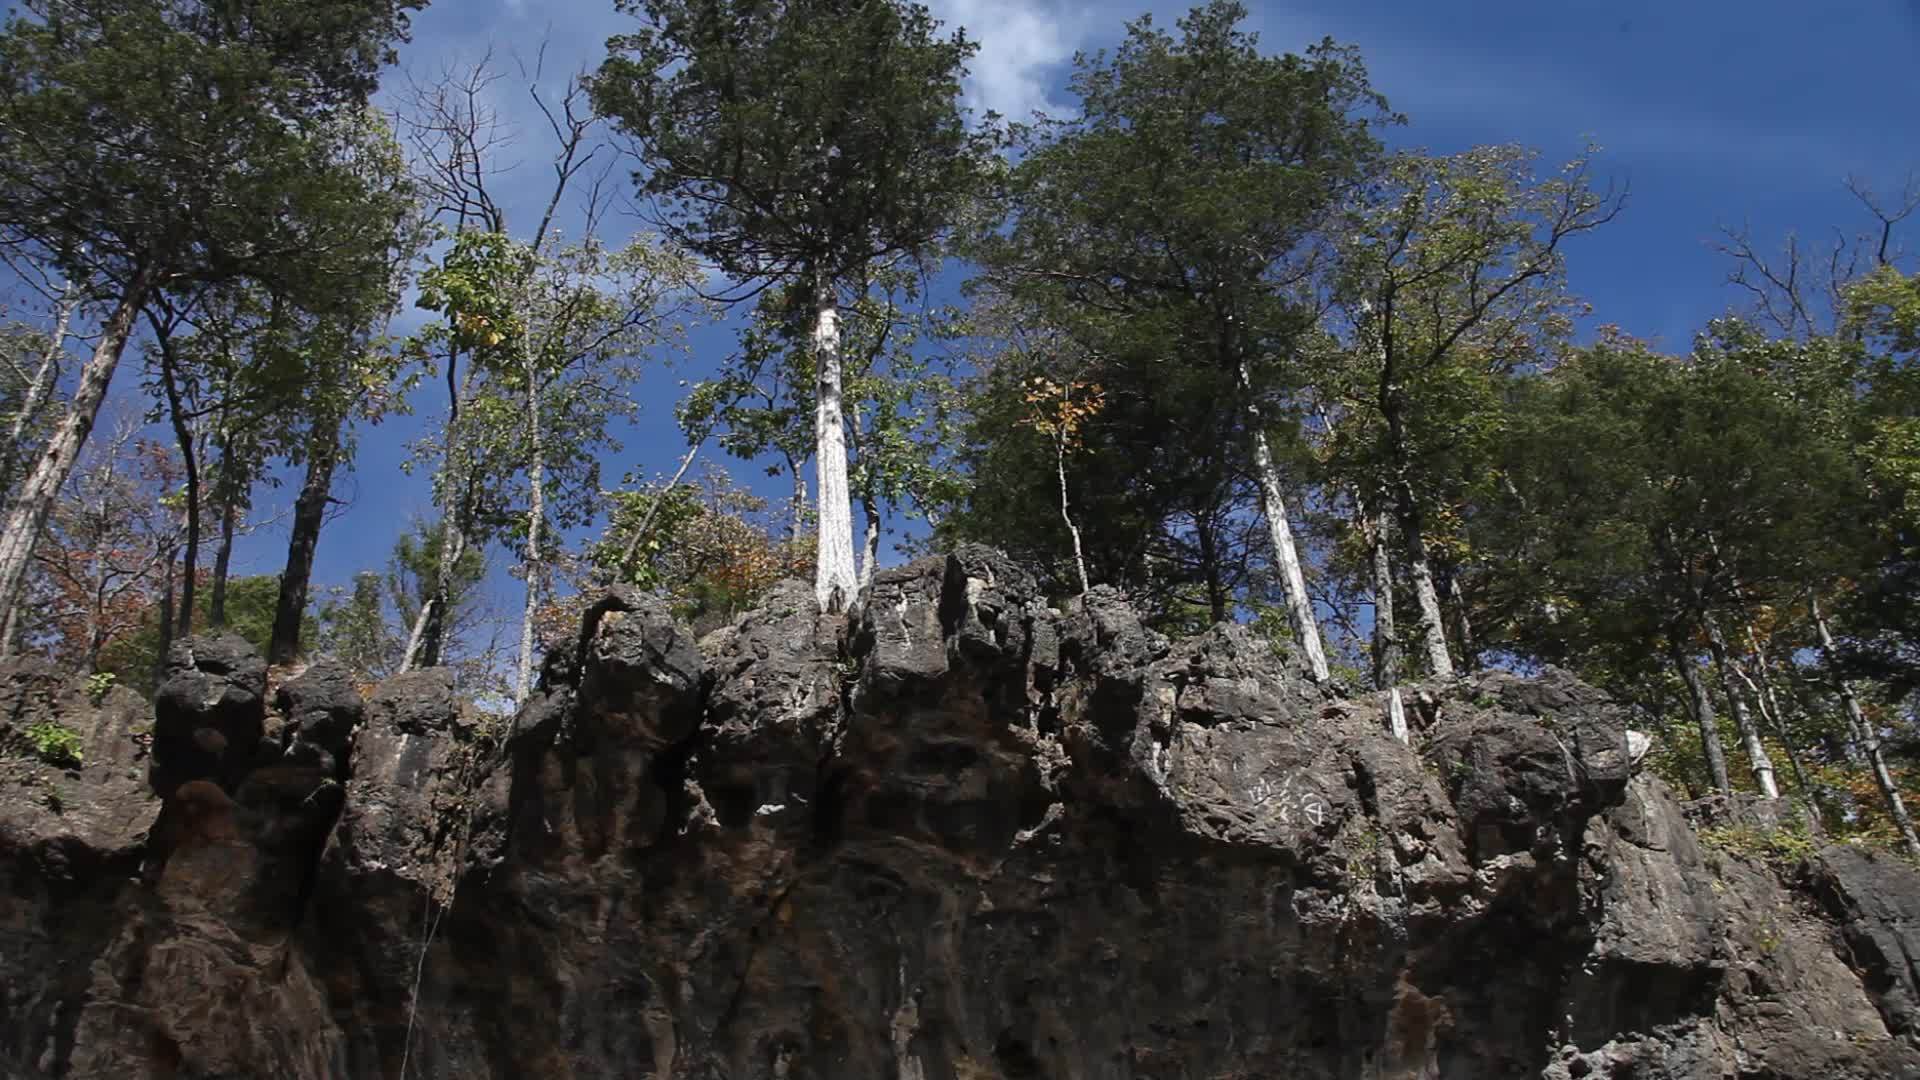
(797, 137)
(410, 574)
(898, 395)
(1886, 305)
(99, 685)
(188, 142)
(55, 743)
(1154, 245)
(710, 548)
(563, 327)
(133, 660)
(1782, 847)
(355, 630)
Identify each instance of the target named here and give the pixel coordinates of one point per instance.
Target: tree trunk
(645, 524)
(1066, 509)
(1386, 640)
(169, 381)
(1768, 704)
(30, 508)
(10, 631)
(872, 511)
(309, 515)
(1865, 736)
(1273, 507)
(1397, 716)
(1210, 565)
(799, 523)
(536, 517)
(166, 618)
(1433, 630)
(1702, 712)
(38, 390)
(228, 486)
(834, 581)
(1743, 727)
(96, 630)
(428, 639)
(1462, 623)
(869, 506)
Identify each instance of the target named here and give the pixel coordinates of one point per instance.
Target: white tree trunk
(10, 631)
(39, 388)
(1066, 508)
(34, 502)
(1462, 623)
(1273, 506)
(414, 636)
(1866, 738)
(834, 580)
(1757, 759)
(1760, 684)
(872, 559)
(798, 524)
(536, 518)
(1433, 632)
(1397, 716)
(1386, 638)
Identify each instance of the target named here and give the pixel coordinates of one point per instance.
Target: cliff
(956, 836)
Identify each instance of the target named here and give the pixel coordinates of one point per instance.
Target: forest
(1209, 337)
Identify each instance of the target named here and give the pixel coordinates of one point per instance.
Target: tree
(550, 333)
(30, 364)
(1679, 504)
(1160, 494)
(108, 543)
(710, 549)
(1171, 220)
(585, 315)
(799, 142)
(355, 630)
(894, 387)
(352, 371)
(1451, 271)
(413, 580)
(155, 146)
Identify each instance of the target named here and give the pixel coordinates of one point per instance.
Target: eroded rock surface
(957, 835)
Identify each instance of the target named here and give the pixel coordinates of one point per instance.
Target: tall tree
(800, 142)
(896, 391)
(1451, 270)
(156, 145)
(1171, 221)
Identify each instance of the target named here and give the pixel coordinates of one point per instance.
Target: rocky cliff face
(956, 836)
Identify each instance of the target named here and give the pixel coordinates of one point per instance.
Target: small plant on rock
(55, 743)
(1781, 847)
(99, 685)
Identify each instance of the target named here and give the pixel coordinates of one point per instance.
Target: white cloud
(1022, 48)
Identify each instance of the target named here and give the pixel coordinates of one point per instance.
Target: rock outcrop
(957, 835)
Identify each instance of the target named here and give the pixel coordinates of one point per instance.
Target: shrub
(99, 685)
(55, 743)
(1782, 847)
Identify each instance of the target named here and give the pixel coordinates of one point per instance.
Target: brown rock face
(956, 836)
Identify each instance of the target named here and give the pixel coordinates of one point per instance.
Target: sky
(1710, 113)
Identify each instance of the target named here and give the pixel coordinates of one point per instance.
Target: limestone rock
(958, 834)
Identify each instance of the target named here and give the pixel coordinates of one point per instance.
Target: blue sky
(1714, 113)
